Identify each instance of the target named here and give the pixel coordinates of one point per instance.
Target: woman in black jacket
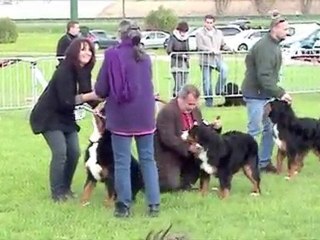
(178, 46)
(53, 115)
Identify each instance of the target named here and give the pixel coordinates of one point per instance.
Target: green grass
(33, 43)
(286, 210)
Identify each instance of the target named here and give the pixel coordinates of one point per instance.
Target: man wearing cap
(263, 63)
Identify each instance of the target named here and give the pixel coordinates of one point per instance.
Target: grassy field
(286, 210)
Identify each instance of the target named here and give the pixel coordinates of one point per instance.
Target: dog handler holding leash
(263, 63)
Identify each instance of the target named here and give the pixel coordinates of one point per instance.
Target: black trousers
(177, 176)
(65, 152)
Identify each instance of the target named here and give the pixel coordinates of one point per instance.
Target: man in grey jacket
(210, 41)
(263, 63)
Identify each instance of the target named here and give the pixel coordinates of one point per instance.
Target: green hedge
(8, 31)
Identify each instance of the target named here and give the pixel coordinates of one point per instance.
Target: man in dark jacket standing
(263, 63)
(73, 30)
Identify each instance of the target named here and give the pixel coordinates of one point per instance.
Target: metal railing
(23, 79)
(223, 74)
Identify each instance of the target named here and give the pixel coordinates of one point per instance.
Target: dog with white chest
(223, 155)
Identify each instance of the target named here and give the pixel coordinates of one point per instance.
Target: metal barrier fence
(23, 79)
(228, 71)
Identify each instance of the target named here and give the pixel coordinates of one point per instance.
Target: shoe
(269, 168)
(59, 198)
(154, 210)
(70, 194)
(121, 210)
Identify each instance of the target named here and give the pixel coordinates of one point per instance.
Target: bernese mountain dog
(232, 97)
(294, 136)
(223, 155)
(99, 162)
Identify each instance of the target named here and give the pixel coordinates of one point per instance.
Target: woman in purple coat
(125, 80)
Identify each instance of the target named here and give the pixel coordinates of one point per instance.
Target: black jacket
(55, 107)
(63, 44)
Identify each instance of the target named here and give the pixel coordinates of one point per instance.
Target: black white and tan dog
(294, 136)
(99, 162)
(233, 96)
(224, 155)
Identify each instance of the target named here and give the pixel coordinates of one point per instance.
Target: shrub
(161, 19)
(8, 31)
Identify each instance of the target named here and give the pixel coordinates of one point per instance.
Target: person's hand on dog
(194, 148)
(98, 110)
(286, 97)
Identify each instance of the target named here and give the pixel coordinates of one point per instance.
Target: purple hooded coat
(127, 86)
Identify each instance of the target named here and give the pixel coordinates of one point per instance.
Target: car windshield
(100, 34)
(144, 34)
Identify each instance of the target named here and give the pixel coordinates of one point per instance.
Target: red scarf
(187, 121)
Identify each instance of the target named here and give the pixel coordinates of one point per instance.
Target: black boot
(121, 210)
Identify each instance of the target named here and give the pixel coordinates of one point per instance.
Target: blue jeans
(222, 68)
(122, 156)
(257, 120)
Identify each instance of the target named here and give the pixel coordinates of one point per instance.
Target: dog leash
(88, 108)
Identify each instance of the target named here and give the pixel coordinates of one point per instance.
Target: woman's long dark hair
(73, 51)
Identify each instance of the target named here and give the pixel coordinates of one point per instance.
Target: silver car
(154, 39)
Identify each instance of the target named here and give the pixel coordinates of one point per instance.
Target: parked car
(100, 38)
(153, 39)
(308, 45)
(308, 38)
(243, 23)
(244, 40)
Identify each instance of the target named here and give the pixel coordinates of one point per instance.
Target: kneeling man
(178, 169)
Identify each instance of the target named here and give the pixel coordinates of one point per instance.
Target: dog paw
(255, 194)
(84, 204)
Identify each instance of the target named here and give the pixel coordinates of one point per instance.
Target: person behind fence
(178, 169)
(64, 42)
(210, 41)
(178, 46)
(53, 116)
(263, 63)
(125, 80)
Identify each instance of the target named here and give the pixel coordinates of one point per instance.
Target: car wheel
(96, 46)
(243, 47)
